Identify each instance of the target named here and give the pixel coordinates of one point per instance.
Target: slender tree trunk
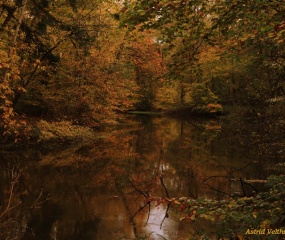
(232, 83)
(14, 41)
(182, 93)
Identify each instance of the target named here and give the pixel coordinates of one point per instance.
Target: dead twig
(146, 195)
(166, 215)
(14, 180)
(165, 189)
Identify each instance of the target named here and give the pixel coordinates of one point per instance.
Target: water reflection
(89, 184)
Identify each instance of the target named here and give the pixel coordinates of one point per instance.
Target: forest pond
(94, 190)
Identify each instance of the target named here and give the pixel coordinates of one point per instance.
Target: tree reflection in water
(89, 183)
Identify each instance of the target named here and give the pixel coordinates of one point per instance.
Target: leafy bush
(238, 216)
(203, 100)
(62, 131)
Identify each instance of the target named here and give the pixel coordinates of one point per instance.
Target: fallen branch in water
(166, 215)
(146, 195)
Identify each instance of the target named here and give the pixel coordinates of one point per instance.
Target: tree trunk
(14, 41)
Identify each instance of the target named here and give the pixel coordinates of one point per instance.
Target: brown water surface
(95, 189)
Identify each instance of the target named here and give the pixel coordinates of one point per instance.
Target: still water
(94, 190)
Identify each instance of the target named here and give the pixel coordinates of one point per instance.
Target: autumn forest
(72, 69)
(88, 61)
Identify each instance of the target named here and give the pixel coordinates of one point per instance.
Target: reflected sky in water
(97, 187)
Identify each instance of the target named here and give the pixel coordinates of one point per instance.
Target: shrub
(204, 101)
(62, 131)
